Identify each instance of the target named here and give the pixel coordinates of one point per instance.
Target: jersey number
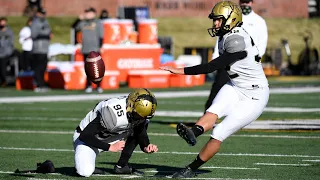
(118, 109)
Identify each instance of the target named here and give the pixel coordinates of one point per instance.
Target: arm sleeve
(88, 135)
(218, 63)
(140, 133)
(234, 46)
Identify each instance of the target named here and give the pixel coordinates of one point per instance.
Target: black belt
(78, 129)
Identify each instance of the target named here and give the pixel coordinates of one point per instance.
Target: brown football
(94, 67)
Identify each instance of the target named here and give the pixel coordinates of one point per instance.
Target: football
(94, 67)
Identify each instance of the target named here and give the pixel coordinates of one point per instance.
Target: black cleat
(126, 170)
(186, 134)
(184, 173)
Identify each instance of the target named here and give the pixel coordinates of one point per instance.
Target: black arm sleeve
(218, 63)
(88, 135)
(140, 133)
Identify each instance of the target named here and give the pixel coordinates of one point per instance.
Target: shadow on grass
(68, 171)
(190, 124)
(160, 170)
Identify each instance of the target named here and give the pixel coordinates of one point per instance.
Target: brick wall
(158, 8)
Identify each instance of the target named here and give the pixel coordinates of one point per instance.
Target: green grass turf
(74, 110)
(243, 150)
(256, 150)
(274, 82)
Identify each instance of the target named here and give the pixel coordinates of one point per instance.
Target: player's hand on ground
(173, 69)
(151, 148)
(118, 146)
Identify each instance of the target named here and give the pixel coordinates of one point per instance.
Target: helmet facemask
(216, 31)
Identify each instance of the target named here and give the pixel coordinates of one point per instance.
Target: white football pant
(239, 106)
(85, 156)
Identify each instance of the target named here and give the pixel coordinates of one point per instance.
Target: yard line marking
(222, 179)
(36, 149)
(40, 118)
(42, 179)
(163, 134)
(166, 94)
(290, 109)
(234, 168)
(174, 152)
(209, 167)
(312, 160)
(59, 174)
(36, 132)
(275, 164)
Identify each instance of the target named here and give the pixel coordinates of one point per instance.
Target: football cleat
(186, 134)
(184, 173)
(126, 170)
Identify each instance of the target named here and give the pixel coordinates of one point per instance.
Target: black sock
(124, 159)
(197, 130)
(196, 163)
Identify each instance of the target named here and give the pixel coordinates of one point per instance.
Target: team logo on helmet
(141, 105)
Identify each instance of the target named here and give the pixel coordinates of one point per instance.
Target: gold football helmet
(231, 16)
(141, 105)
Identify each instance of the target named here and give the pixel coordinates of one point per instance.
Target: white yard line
(167, 94)
(221, 179)
(106, 175)
(41, 179)
(12, 118)
(172, 152)
(184, 113)
(276, 164)
(163, 134)
(232, 168)
(311, 160)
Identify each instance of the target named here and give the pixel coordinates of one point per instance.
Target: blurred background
(168, 30)
(44, 88)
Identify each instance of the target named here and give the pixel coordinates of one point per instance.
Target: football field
(33, 132)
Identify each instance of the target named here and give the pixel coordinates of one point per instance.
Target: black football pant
(39, 66)
(129, 147)
(88, 80)
(221, 79)
(25, 61)
(3, 69)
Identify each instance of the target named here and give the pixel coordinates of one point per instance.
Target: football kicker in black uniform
(116, 124)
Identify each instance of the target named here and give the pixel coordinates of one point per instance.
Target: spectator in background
(92, 33)
(41, 35)
(32, 7)
(256, 27)
(26, 42)
(104, 14)
(6, 48)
